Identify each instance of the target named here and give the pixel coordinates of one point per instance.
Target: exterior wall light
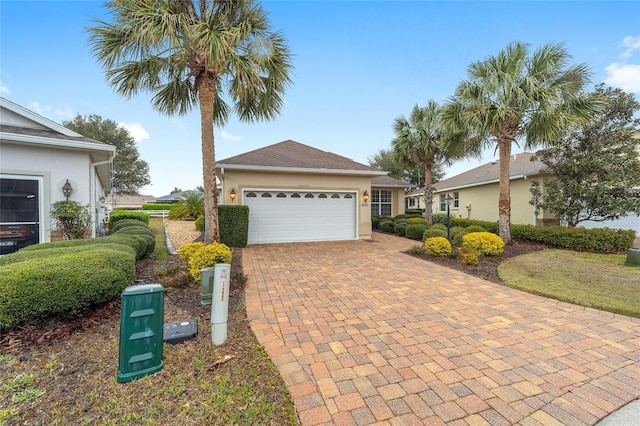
(233, 194)
(67, 190)
(365, 196)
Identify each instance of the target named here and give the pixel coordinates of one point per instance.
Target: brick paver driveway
(362, 333)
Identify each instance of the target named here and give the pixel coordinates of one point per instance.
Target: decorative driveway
(364, 334)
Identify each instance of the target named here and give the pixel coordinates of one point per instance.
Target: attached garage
(290, 215)
(297, 193)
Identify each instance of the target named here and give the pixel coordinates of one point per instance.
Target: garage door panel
(308, 217)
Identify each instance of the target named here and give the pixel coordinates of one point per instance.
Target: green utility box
(141, 331)
(633, 257)
(206, 285)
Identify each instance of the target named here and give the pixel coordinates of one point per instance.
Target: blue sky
(358, 65)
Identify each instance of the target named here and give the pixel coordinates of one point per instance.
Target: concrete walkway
(363, 334)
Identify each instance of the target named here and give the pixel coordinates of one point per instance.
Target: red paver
(361, 333)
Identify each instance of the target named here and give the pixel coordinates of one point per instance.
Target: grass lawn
(599, 281)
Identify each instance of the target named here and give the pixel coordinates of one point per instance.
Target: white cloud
(228, 136)
(632, 44)
(624, 76)
(4, 88)
(137, 132)
(38, 109)
(67, 113)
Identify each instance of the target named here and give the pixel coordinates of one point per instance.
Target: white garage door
(279, 216)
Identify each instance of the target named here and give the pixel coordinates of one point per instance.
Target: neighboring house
(299, 193)
(414, 199)
(37, 158)
(126, 201)
(171, 198)
(475, 192)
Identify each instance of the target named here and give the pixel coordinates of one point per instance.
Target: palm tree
(189, 52)
(191, 205)
(421, 140)
(513, 96)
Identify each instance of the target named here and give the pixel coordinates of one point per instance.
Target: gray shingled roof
(388, 182)
(48, 133)
(295, 155)
(520, 165)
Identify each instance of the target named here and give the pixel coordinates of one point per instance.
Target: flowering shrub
(485, 243)
(186, 251)
(208, 256)
(437, 246)
(72, 219)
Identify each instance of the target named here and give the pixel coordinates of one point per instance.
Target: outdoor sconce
(67, 190)
(102, 200)
(233, 194)
(365, 196)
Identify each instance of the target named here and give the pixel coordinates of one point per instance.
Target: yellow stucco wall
(246, 179)
(483, 202)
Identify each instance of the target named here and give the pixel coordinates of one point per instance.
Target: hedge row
(117, 215)
(157, 206)
(600, 240)
(62, 283)
(234, 225)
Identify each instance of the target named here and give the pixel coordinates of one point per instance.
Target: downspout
(221, 186)
(93, 193)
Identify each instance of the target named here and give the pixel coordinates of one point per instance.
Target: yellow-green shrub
(186, 251)
(437, 246)
(208, 256)
(417, 221)
(485, 243)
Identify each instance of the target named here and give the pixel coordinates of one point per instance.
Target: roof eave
(486, 182)
(60, 143)
(278, 169)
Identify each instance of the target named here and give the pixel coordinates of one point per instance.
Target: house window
(412, 202)
(455, 204)
(381, 202)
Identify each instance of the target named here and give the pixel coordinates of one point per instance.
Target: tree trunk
(428, 192)
(206, 93)
(504, 200)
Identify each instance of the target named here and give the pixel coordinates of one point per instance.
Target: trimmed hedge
(66, 284)
(437, 246)
(434, 232)
(405, 216)
(415, 232)
(439, 218)
(118, 215)
(485, 243)
(387, 226)
(22, 255)
(111, 239)
(401, 228)
(599, 240)
(157, 206)
(125, 223)
(234, 225)
(492, 227)
(415, 211)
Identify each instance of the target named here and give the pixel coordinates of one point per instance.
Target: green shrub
(401, 228)
(22, 255)
(137, 244)
(415, 232)
(118, 215)
(437, 246)
(434, 232)
(485, 243)
(65, 284)
(199, 223)
(387, 226)
(125, 223)
(72, 219)
(475, 228)
(156, 206)
(456, 235)
(598, 240)
(234, 225)
(405, 216)
(206, 257)
(486, 225)
(415, 211)
(133, 230)
(375, 220)
(439, 218)
(417, 221)
(439, 226)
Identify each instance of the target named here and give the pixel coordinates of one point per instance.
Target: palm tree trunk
(428, 192)
(504, 200)
(206, 93)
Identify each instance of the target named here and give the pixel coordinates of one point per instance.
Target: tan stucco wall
(483, 200)
(244, 179)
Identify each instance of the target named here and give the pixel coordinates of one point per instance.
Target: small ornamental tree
(595, 168)
(71, 218)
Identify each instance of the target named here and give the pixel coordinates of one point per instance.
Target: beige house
(299, 193)
(475, 192)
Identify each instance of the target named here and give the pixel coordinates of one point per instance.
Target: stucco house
(475, 192)
(37, 158)
(299, 193)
